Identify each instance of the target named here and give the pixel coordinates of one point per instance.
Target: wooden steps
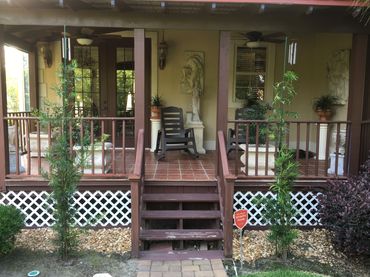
(180, 197)
(185, 214)
(183, 234)
(180, 214)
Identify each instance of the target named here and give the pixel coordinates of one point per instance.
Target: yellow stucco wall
(314, 51)
(48, 76)
(169, 78)
(313, 54)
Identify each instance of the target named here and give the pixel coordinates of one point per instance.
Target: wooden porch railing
(137, 182)
(21, 128)
(225, 182)
(103, 138)
(321, 148)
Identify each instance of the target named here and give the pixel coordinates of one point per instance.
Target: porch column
(34, 98)
(3, 105)
(357, 78)
(223, 83)
(139, 57)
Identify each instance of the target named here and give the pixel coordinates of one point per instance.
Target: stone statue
(338, 74)
(192, 81)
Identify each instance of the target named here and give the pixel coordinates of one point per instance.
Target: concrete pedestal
(333, 158)
(322, 141)
(198, 133)
(156, 126)
(264, 155)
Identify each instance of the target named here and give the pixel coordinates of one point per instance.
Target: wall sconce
(162, 51)
(47, 55)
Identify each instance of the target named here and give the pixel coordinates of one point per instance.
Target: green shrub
(11, 222)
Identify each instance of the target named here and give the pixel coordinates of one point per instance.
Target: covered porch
(120, 71)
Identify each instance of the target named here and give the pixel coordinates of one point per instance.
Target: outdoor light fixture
(84, 41)
(162, 53)
(253, 44)
(47, 55)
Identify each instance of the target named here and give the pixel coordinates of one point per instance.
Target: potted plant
(156, 107)
(323, 106)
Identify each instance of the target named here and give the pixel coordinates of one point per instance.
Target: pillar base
(198, 128)
(156, 126)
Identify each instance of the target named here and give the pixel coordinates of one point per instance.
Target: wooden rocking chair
(243, 114)
(172, 135)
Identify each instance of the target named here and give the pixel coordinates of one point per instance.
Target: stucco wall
(169, 78)
(313, 54)
(48, 76)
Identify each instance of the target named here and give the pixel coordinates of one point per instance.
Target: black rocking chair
(244, 114)
(172, 135)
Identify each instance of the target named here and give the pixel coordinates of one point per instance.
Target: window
(250, 72)
(87, 80)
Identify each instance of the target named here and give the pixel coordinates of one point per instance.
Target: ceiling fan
(254, 37)
(85, 35)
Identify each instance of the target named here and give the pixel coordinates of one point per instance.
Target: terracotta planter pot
(324, 115)
(155, 112)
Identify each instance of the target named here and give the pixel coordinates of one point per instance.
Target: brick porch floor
(185, 268)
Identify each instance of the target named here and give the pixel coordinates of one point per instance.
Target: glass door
(125, 87)
(87, 84)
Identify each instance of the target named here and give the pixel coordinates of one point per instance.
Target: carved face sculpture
(192, 76)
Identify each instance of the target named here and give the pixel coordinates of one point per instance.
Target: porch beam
(3, 106)
(336, 3)
(18, 43)
(75, 5)
(322, 22)
(357, 78)
(139, 57)
(223, 83)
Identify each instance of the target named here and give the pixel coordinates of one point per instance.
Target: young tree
(65, 171)
(279, 210)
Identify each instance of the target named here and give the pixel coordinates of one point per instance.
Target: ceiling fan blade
(274, 35)
(254, 36)
(274, 40)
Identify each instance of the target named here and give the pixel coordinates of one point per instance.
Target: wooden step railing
(321, 148)
(225, 182)
(104, 139)
(137, 183)
(365, 141)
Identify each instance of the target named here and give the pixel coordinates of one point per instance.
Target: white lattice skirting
(99, 208)
(108, 208)
(305, 205)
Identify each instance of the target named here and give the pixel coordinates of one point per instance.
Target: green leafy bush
(11, 222)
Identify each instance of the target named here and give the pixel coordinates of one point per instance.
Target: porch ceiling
(266, 15)
(178, 6)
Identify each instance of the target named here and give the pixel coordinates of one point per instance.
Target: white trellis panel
(304, 203)
(99, 208)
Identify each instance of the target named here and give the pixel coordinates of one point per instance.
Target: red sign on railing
(240, 218)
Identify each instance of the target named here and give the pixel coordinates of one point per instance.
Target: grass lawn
(282, 273)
